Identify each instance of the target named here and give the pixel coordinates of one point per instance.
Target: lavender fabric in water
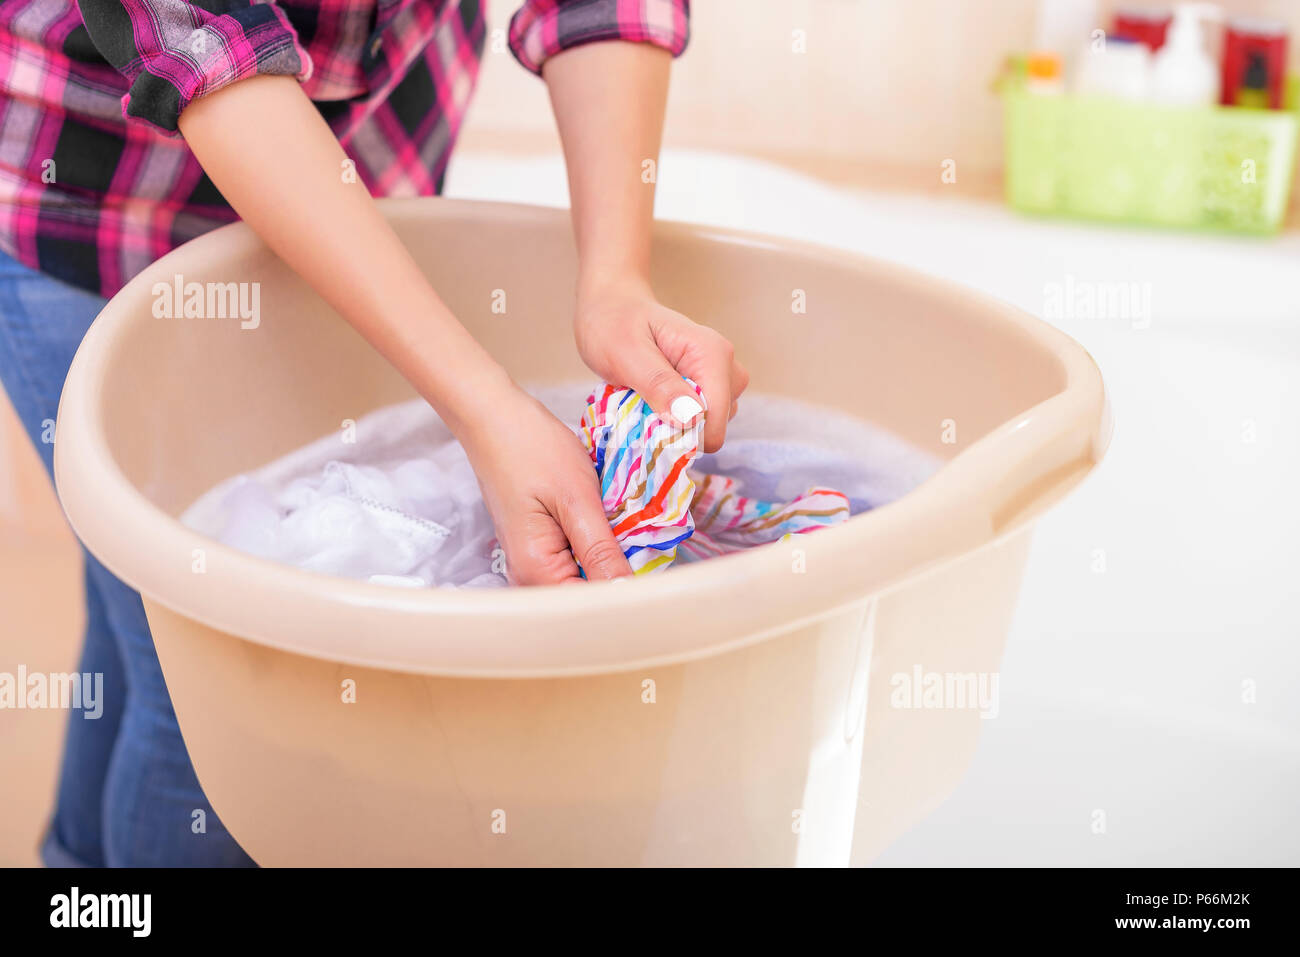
(396, 501)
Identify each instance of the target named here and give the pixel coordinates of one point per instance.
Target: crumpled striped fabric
(659, 510)
(726, 521)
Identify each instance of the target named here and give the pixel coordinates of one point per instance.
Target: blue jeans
(127, 792)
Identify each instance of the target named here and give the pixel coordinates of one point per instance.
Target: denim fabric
(127, 792)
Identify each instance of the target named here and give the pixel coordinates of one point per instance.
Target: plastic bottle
(1061, 27)
(1121, 68)
(1043, 74)
(1183, 73)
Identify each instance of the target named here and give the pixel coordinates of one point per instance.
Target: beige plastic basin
(737, 711)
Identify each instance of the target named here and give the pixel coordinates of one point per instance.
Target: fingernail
(684, 409)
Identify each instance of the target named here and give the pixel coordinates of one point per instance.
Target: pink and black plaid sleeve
(173, 51)
(94, 183)
(543, 28)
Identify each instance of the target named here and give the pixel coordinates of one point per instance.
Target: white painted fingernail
(685, 409)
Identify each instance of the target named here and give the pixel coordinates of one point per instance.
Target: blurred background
(883, 92)
(1149, 708)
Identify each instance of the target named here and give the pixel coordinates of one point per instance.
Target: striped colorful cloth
(659, 510)
(641, 459)
(726, 521)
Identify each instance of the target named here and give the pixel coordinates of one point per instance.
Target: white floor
(1153, 671)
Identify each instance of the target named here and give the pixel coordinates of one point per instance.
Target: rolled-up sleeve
(173, 52)
(543, 28)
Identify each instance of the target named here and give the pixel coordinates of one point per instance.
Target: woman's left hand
(629, 339)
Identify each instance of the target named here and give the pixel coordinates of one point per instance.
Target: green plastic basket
(1220, 168)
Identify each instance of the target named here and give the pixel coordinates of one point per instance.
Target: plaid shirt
(95, 183)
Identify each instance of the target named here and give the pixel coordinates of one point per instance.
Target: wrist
(465, 390)
(596, 283)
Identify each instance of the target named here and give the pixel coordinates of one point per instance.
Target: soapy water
(394, 500)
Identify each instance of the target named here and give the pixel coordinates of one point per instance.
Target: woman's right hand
(543, 495)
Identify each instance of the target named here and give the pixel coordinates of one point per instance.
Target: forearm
(279, 166)
(609, 101)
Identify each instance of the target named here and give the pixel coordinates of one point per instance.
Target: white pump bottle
(1183, 73)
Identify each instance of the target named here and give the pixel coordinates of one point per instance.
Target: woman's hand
(628, 338)
(543, 495)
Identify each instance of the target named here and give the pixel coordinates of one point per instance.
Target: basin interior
(200, 399)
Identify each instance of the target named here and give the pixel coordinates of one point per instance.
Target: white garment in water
(394, 500)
